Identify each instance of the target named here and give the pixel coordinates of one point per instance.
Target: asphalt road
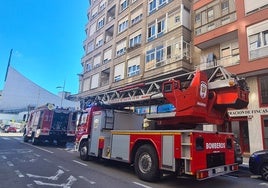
(25, 165)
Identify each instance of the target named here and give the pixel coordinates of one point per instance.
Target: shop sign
(247, 112)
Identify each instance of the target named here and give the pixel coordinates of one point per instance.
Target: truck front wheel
(84, 151)
(146, 163)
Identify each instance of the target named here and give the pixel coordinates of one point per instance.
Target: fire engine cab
(47, 123)
(165, 140)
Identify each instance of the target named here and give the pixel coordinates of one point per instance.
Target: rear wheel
(146, 163)
(264, 171)
(84, 151)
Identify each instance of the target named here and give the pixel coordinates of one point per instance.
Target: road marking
(42, 149)
(87, 180)
(67, 170)
(142, 185)
(47, 160)
(4, 157)
(37, 155)
(80, 163)
(5, 138)
(69, 183)
(20, 175)
(264, 184)
(9, 163)
(58, 174)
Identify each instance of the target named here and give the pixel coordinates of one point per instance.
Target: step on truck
(47, 123)
(156, 126)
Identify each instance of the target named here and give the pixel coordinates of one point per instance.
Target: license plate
(219, 170)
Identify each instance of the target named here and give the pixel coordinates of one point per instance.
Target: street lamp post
(63, 88)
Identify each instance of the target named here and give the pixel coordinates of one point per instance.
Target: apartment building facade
(133, 41)
(129, 41)
(234, 34)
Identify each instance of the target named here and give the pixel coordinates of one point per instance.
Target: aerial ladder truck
(165, 141)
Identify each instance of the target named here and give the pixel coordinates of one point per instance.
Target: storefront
(251, 125)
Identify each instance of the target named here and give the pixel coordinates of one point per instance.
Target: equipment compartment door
(95, 134)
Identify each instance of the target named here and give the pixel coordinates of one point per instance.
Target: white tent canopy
(20, 93)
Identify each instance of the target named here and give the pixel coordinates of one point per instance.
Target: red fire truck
(165, 141)
(47, 123)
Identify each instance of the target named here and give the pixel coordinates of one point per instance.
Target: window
(99, 40)
(257, 40)
(92, 29)
(101, 23)
(162, 2)
(169, 52)
(133, 70)
(119, 71)
(159, 54)
(265, 37)
(263, 82)
(211, 26)
(225, 52)
(152, 5)
(86, 84)
(124, 5)
(135, 41)
(107, 55)
(150, 55)
(210, 12)
(97, 61)
(88, 66)
(121, 48)
(197, 17)
(225, 5)
(95, 81)
(136, 19)
(177, 19)
(254, 41)
(151, 32)
(161, 26)
(265, 131)
(134, 66)
(122, 26)
(90, 47)
(102, 5)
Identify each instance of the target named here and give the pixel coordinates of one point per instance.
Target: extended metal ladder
(143, 94)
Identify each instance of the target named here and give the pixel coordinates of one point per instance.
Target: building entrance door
(244, 137)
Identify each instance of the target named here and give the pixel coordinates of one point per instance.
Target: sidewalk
(11, 134)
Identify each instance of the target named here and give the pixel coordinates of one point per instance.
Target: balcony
(215, 24)
(225, 62)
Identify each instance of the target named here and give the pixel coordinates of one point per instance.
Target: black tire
(61, 143)
(84, 151)
(264, 171)
(146, 163)
(25, 138)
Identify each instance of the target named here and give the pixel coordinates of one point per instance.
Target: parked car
(238, 153)
(258, 163)
(10, 129)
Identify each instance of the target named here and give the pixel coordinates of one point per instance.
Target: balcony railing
(225, 62)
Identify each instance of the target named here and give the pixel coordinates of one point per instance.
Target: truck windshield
(82, 117)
